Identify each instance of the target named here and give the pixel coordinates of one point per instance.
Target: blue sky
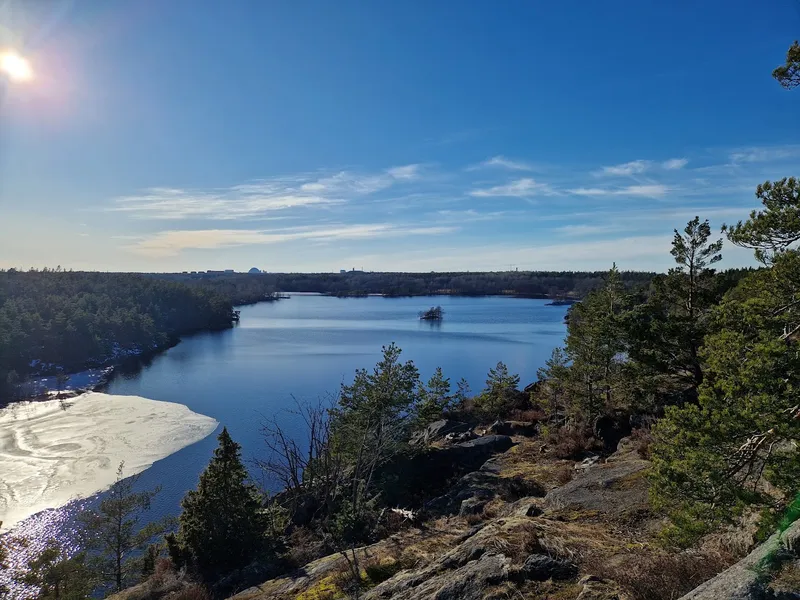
(414, 135)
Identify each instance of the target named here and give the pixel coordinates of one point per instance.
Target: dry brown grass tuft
(659, 575)
(193, 591)
(564, 473)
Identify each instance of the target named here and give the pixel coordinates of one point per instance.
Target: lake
(305, 347)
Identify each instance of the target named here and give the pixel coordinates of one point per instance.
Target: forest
(54, 321)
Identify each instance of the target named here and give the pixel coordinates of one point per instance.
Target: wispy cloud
(405, 172)
(765, 154)
(521, 188)
(585, 230)
(673, 164)
(625, 169)
(472, 215)
(653, 190)
(507, 163)
(170, 243)
(259, 198)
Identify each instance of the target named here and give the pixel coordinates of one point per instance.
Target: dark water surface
(306, 346)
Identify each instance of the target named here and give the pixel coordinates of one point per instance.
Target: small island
(434, 313)
(562, 302)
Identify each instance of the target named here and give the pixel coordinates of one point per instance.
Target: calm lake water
(306, 346)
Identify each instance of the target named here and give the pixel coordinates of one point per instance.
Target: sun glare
(15, 67)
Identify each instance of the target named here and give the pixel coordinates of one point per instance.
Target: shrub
(303, 545)
(378, 571)
(564, 473)
(571, 442)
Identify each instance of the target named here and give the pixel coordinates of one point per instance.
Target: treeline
(55, 321)
(237, 288)
(244, 288)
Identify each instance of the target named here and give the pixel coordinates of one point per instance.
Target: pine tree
(58, 576)
(112, 533)
(222, 526)
(500, 392)
(595, 345)
(435, 398)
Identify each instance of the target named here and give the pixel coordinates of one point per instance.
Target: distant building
(254, 271)
(342, 271)
(229, 271)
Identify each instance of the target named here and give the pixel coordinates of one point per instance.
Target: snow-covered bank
(56, 451)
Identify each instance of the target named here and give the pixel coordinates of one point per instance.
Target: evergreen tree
(435, 398)
(500, 393)
(57, 576)
(788, 74)
(113, 535)
(553, 378)
(710, 460)
(773, 230)
(222, 526)
(666, 331)
(372, 418)
(595, 347)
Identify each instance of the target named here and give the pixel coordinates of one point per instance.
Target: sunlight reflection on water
(30, 537)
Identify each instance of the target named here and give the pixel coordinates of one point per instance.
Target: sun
(15, 67)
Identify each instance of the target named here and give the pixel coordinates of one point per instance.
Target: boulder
(482, 486)
(540, 567)
(438, 430)
(587, 463)
(468, 582)
(456, 438)
(612, 488)
(472, 506)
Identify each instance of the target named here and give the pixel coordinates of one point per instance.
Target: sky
(422, 135)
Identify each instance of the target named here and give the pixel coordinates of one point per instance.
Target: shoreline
(48, 461)
(107, 370)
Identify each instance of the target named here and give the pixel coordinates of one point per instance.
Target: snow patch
(56, 451)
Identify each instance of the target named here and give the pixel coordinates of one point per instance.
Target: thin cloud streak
(634, 167)
(261, 197)
(645, 191)
(521, 188)
(673, 164)
(170, 243)
(506, 163)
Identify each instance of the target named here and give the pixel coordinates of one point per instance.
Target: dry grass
(192, 591)
(648, 575)
(304, 546)
(788, 578)
(564, 473)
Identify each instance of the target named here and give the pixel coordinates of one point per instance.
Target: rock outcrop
(749, 579)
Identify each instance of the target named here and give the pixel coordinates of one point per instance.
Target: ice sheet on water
(55, 451)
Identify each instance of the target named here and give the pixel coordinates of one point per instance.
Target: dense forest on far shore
(54, 321)
(245, 288)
